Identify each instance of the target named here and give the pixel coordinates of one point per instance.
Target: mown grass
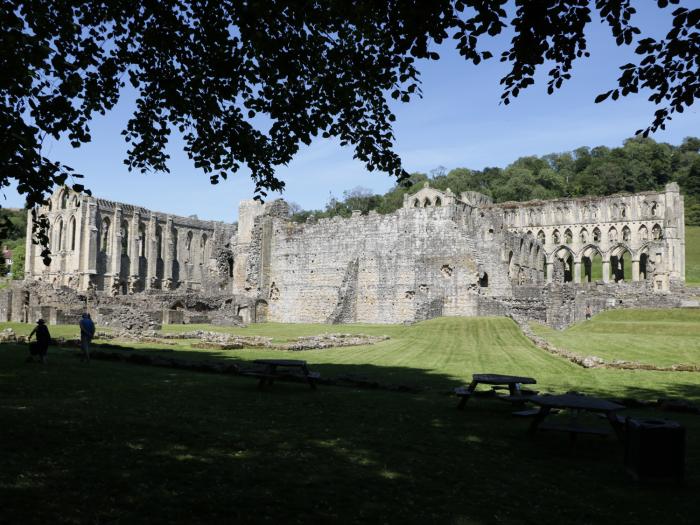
(117, 443)
(692, 255)
(659, 337)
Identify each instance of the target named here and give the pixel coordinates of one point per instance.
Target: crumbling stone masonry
(440, 254)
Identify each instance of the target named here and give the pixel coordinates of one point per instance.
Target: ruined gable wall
(413, 264)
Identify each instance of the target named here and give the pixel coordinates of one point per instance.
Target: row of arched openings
(613, 235)
(60, 241)
(105, 241)
(427, 203)
(592, 265)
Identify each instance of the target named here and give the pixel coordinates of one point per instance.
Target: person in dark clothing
(41, 346)
(87, 332)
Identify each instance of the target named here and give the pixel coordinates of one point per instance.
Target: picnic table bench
(516, 394)
(576, 404)
(270, 372)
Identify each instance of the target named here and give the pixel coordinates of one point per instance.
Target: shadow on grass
(112, 443)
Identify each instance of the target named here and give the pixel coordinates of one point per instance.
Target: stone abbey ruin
(441, 254)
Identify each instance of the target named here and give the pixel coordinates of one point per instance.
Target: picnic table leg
(617, 426)
(539, 418)
(514, 391)
(472, 386)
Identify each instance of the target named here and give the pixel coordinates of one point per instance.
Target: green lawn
(659, 337)
(692, 255)
(117, 443)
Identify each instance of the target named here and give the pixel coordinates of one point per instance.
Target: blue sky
(457, 123)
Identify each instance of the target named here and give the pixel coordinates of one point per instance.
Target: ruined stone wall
(647, 229)
(416, 263)
(120, 248)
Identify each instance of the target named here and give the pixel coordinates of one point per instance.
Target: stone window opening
(623, 211)
(438, 202)
(555, 237)
(612, 235)
(125, 238)
(142, 240)
(159, 242)
(583, 236)
(484, 280)
(541, 237)
(63, 200)
(626, 234)
(71, 229)
(654, 209)
(643, 233)
(416, 203)
(203, 245)
(596, 235)
(426, 203)
(188, 245)
(59, 228)
(568, 237)
(656, 233)
(104, 241)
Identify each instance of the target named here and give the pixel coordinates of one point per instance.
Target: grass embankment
(692, 255)
(110, 442)
(658, 337)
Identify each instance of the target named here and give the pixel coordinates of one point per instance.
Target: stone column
(168, 254)
(606, 271)
(29, 248)
(116, 240)
(635, 270)
(90, 244)
(577, 272)
(151, 253)
(134, 252)
(550, 271)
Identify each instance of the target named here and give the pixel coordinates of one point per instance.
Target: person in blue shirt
(87, 332)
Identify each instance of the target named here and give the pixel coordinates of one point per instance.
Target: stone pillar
(90, 244)
(134, 252)
(168, 254)
(635, 270)
(151, 253)
(550, 271)
(606, 271)
(116, 241)
(577, 272)
(29, 248)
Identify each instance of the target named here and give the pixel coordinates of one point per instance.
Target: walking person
(87, 332)
(39, 348)
(588, 312)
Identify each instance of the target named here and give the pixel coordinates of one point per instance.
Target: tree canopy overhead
(248, 82)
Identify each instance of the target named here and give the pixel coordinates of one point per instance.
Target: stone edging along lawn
(593, 361)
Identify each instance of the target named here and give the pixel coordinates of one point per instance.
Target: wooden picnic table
(270, 372)
(513, 383)
(577, 404)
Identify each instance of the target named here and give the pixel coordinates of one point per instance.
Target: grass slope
(110, 442)
(659, 337)
(692, 255)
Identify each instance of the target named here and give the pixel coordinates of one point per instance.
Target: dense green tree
(640, 164)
